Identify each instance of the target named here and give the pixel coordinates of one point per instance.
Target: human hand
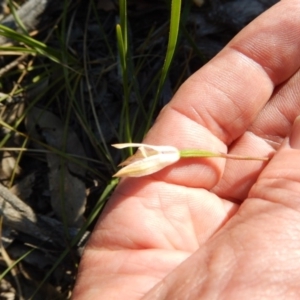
(214, 228)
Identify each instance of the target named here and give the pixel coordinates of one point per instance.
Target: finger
(273, 124)
(275, 121)
(239, 176)
(226, 95)
(280, 180)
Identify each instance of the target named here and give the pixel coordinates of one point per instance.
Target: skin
(214, 228)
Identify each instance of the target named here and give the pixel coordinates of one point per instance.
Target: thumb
(279, 182)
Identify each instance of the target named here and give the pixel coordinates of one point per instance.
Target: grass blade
(173, 37)
(122, 40)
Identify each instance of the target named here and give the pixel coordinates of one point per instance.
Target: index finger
(219, 102)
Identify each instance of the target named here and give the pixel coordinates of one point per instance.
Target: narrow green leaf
(38, 46)
(16, 17)
(121, 48)
(123, 22)
(122, 39)
(173, 37)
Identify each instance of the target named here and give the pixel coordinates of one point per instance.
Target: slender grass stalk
(187, 153)
(91, 98)
(173, 37)
(122, 41)
(16, 17)
(20, 155)
(103, 34)
(39, 47)
(15, 263)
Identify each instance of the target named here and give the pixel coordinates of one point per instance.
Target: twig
(19, 216)
(12, 64)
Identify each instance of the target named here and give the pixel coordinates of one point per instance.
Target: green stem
(205, 153)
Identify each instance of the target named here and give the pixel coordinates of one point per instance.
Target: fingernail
(295, 134)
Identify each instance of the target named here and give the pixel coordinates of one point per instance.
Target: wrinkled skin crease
(177, 234)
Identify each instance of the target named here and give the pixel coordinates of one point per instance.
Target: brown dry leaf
(23, 188)
(68, 197)
(67, 192)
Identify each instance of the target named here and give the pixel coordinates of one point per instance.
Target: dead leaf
(23, 188)
(67, 190)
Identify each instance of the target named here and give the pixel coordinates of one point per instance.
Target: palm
(152, 224)
(167, 219)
